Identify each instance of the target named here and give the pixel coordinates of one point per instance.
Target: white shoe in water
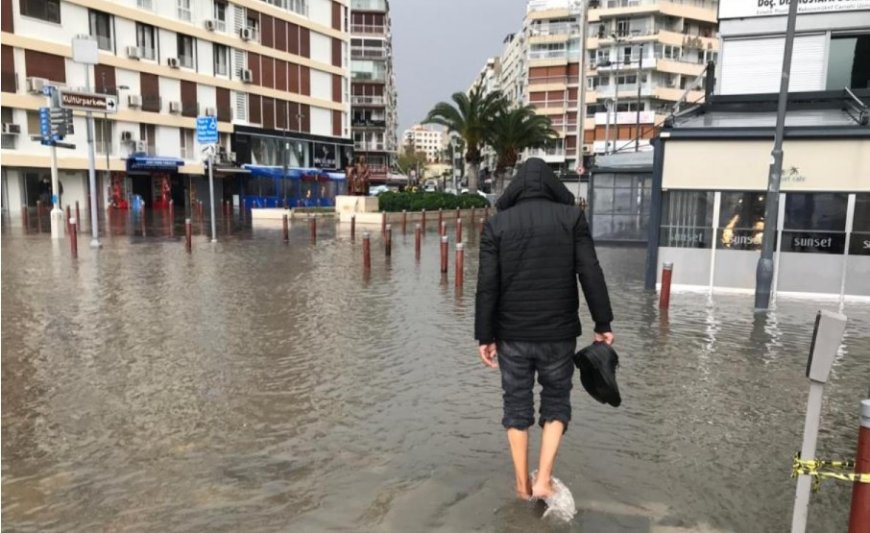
(560, 505)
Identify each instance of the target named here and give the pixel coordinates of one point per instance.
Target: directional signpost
(85, 101)
(207, 134)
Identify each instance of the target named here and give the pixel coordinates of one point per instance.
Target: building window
(623, 27)
(620, 206)
(741, 220)
(815, 223)
(101, 29)
(148, 137)
(146, 40)
(187, 148)
(33, 123)
(184, 10)
(626, 80)
(221, 60)
(849, 63)
(860, 242)
(687, 219)
(47, 10)
(186, 47)
(220, 16)
(298, 6)
(103, 136)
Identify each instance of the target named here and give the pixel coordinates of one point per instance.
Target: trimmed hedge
(393, 202)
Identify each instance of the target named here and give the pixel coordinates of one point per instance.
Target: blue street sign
(46, 90)
(44, 122)
(206, 130)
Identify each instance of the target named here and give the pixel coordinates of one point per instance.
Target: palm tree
(515, 130)
(470, 116)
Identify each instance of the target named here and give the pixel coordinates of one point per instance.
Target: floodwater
(257, 386)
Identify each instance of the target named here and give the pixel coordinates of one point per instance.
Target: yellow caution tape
(821, 469)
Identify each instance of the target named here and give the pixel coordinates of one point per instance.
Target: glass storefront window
(620, 206)
(815, 223)
(741, 220)
(687, 219)
(269, 151)
(860, 240)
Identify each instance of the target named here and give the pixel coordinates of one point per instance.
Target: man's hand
(489, 355)
(604, 337)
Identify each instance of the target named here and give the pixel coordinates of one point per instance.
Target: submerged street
(258, 386)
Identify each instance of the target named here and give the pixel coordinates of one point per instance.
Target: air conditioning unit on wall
(210, 25)
(173, 62)
(126, 136)
(247, 75)
(133, 52)
(11, 129)
(175, 107)
(35, 85)
(247, 34)
(134, 100)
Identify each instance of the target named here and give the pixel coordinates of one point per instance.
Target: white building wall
(206, 95)
(320, 11)
(168, 142)
(321, 121)
(125, 35)
(321, 84)
(205, 57)
(170, 91)
(321, 48)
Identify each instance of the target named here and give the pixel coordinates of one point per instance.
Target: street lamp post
(637, 111)
(581, 105)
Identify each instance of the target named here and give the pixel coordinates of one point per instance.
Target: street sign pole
(86, 51)
(56, 211)
(211, 192)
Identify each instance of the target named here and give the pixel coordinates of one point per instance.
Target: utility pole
(639, 85)
(211, 152)
(764, 271)
(284, 164)
(581, 105)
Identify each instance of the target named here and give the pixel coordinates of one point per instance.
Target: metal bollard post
(353, 227)
(242, 210)
(458, 230)
(171, 211)
(286, 228)
(460, 263)
(418, 235)
(312, 228)
(68, 216)
(388, 242)
(444, 254)
(859, 516)
(25, 222)
(73, 238)
(367, 251)
(665, 295)
(78, 215)
(38, 208)
(458, 213)
(404, 222)
(142, 221)
(443, 228)
(383, 223)
(423, 220)
(188, 235)
(482, 225)
(440, 217)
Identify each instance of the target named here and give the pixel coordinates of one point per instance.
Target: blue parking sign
(206, 130)
(44, 122)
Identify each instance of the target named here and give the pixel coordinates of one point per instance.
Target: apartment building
(513, 74)
(424, 139)
(273, 72)
(373, 88)
(643, 56)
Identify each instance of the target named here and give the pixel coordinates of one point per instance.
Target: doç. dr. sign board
(731, 9)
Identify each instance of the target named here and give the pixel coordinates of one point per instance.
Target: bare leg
(519, 441)
(550, 440)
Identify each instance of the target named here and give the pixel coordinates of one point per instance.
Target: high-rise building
(273, 72)
(424, 139)
(514, 74)
(373, 87)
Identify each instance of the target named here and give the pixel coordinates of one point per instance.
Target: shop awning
(294, 173)
(149, 162)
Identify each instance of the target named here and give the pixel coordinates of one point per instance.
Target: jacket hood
(534, 180)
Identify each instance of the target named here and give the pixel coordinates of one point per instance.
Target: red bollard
(418, 236)
(458, 230)
(388, 242)
(171, 211)
(78, 215)
(444, 254)
(353, 227)
(383, 223)
(665, 295)
(312, 228)
(73, 238)
(68, 216)
(286, 227)
(458, 213)
(859, 516)
(440, 217)
(404, 222)
(367, 251)
(443, 229)
(188, 235)
(423, 220)
(460, 264)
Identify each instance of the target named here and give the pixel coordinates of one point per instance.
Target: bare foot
(524, 491)
(543, 489)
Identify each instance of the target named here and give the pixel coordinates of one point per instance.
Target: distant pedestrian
(531, 255)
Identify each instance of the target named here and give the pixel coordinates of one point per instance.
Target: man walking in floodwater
(526, 320)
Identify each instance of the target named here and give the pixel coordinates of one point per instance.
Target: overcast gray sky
(440, 45)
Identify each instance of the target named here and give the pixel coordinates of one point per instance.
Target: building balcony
(562, 55)
(368, 53)
(369, 5)
(559, 28)
(704, 10)
(625, 91)
(368, 100)
(554, 80)
(368, 29)
(369, 76)
(552, 106)
(369, 146)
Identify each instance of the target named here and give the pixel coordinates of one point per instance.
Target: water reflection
(258, 386)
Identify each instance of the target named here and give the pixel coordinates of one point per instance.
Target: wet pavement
(258, 386)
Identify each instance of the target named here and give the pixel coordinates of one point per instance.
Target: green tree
(410, 160)
(514, 130)
(470, 116)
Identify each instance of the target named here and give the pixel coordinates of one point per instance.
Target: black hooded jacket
(531, 254)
